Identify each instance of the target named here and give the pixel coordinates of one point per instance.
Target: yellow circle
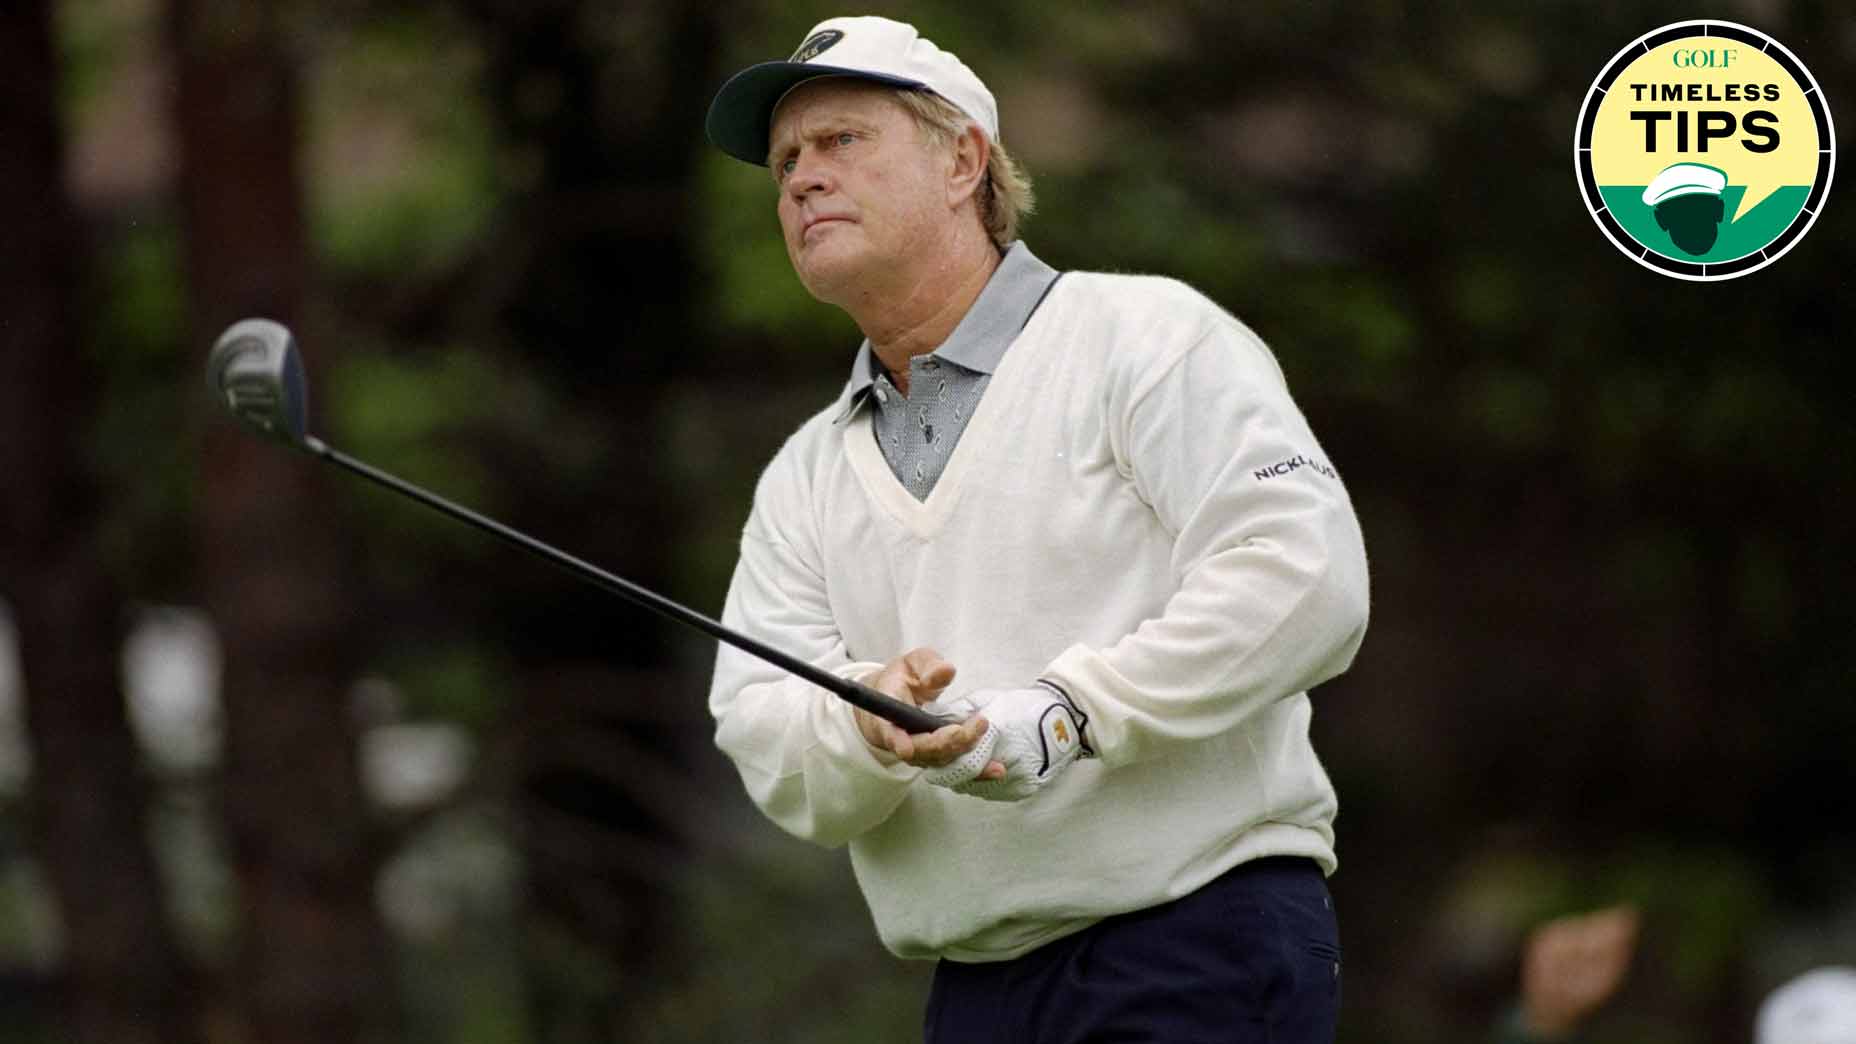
(1637, 133)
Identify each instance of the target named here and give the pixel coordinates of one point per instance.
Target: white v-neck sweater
(1137, 511)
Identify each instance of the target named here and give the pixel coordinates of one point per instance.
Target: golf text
(1710, 124)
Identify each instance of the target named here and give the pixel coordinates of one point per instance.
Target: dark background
(286, 759)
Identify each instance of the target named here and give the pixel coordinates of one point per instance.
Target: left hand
(1035, 733)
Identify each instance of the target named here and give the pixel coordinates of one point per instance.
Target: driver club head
(254, 371)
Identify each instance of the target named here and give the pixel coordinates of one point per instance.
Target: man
(1572, 965)
(1091, 500)
(1686, 201)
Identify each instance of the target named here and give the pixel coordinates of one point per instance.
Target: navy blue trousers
(1251, 958)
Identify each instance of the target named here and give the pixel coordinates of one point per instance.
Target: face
(1692, 221)
(862, 193)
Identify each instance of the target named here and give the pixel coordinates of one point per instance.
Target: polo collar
(1003, 308)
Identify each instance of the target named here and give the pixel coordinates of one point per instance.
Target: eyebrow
(835, 124)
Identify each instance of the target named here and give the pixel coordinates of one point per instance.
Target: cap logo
(1704, 150)
(817, 44)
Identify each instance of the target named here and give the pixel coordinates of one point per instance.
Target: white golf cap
(1684, 179)
(866, 48)
(1818, 1007)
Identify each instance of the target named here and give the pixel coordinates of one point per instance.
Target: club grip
(905, 716)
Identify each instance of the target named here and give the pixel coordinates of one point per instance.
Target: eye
(844, 138)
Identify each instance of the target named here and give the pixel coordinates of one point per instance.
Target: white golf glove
(1035, 732)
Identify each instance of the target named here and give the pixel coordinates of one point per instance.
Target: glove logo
(1704, 150)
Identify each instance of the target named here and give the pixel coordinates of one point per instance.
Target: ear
(970, 155)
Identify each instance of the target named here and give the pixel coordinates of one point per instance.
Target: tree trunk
(312, 966)
(126, 981)
(615, 131)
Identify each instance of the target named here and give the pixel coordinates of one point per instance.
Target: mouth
(821, 222)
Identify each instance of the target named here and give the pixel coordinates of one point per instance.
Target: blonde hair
(1005, 196)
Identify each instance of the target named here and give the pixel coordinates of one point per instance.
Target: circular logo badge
(1704, 150)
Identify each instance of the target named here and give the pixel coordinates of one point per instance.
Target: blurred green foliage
(136, 303)
(462, 684)
(782, 951)
(408, 186)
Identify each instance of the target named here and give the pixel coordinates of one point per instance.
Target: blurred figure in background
(1572, 965)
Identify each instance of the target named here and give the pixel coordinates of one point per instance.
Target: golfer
(1079, 512)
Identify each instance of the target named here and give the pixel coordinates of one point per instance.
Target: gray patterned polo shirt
(917, 432)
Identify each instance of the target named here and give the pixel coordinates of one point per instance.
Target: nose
(808, 175)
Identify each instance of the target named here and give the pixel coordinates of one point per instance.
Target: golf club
(256, 373)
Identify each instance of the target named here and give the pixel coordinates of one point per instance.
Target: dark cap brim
(741, 116)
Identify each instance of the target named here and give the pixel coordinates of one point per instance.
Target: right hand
(917, 677)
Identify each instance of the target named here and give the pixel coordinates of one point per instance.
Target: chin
(828, 272)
